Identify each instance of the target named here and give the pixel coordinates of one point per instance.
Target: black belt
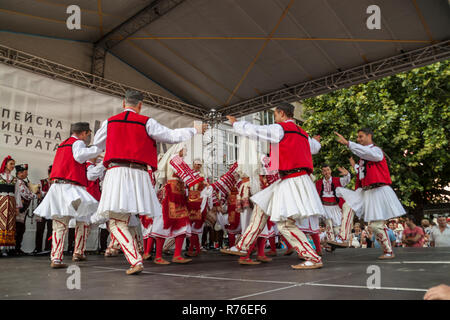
(375, 185)
(284, 173)
(63, 181)
(132, 165)
(330, 203)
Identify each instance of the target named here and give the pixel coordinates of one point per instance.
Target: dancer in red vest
(339, 217)
(129, 140)
(67, 197)
(294, 196)
(374, 200)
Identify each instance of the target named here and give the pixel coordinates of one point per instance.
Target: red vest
(293, 150)
(127, 140)
(375, 172)
(93, 187)
(65, 167)
(335, 183)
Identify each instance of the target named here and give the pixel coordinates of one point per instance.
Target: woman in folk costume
(374, 200)
(67, 197)
(294, 197)
(8, 205)
(229, 219)
(197, 213)
(174, 221)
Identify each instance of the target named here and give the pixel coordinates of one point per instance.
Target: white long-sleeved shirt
(81, 153)
(95, 172)
(272, 133)
(327, 192)
(155, 130)
(366, 153)
(369, 152)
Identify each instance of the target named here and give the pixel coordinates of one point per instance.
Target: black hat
(21, 167)
(134, 95)
(80, 127)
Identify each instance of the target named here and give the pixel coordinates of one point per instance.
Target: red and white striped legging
(118, 225)
(81, 235)
(257, 222)
(288, 230)
(60, 226)
(347, 222)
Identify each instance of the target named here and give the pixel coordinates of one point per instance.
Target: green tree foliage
(409, 113)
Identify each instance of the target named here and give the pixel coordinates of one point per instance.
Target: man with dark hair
(293, 197)
(413, 235)
(42, 222)
(287, 108)
(374, 200)
(333, 205)
(67, 197)
(129, 140)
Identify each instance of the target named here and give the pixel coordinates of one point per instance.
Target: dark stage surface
(216, 276)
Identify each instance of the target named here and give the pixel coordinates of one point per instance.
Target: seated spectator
(440, 234)
(356, 235)
(425, 223)
(413, 236)
(366, 237)
(398, 231)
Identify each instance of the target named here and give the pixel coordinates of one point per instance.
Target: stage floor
(216, 276)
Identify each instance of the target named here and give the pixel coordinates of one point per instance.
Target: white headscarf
(163, 164)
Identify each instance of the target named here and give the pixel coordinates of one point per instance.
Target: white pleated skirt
(374, 204)
(334, 213)
(67, 200)
(127, 190)
(159, 231)
(294, 198)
